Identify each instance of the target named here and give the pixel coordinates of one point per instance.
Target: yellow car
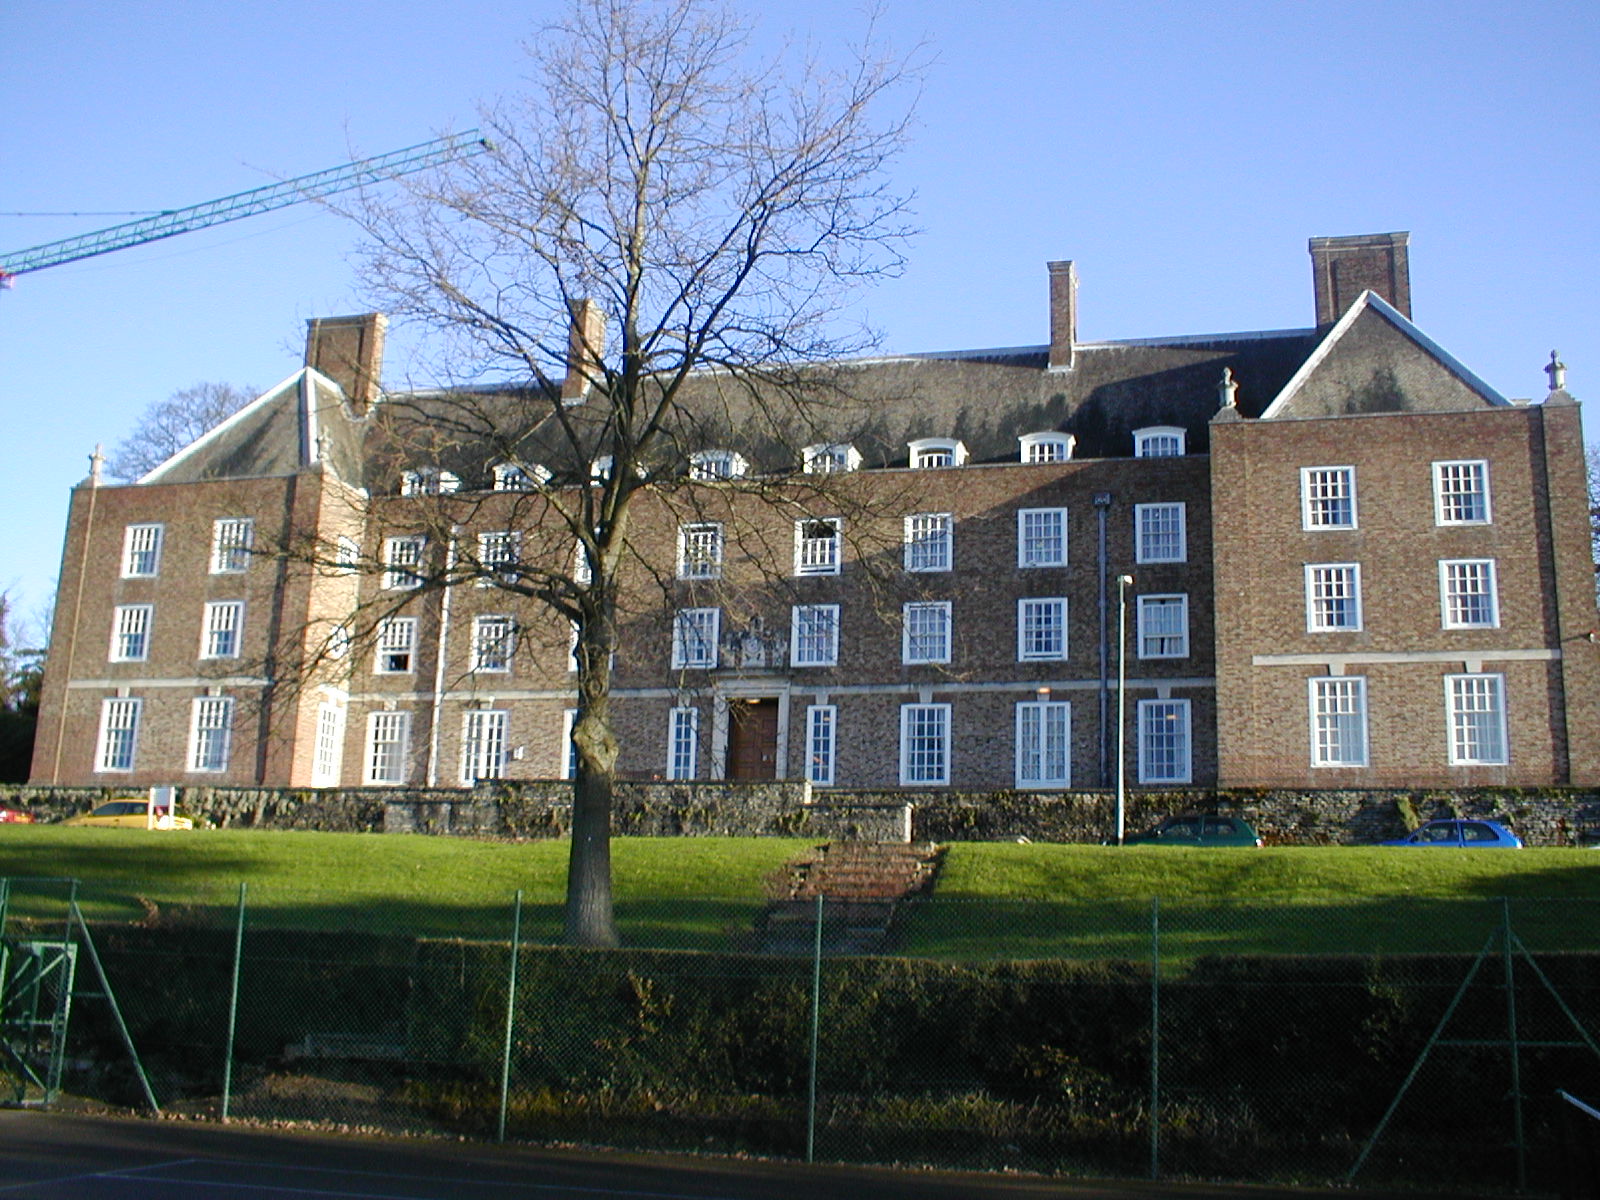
(129, 814)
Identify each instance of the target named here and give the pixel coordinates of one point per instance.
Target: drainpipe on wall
(1102, 510)
(96, 465)
(439, 660)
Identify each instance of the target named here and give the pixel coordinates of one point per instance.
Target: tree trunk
(589, 917)
(590, 920)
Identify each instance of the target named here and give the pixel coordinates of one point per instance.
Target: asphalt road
(45, 1156)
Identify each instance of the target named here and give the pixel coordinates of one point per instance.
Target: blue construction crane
(243, 204)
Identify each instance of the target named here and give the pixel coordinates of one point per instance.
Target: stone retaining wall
(542, 809)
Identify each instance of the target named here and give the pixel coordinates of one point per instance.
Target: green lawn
(994, 899)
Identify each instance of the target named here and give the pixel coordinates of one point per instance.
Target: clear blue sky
(1181, 153)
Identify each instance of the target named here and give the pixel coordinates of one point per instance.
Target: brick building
(1349, 562)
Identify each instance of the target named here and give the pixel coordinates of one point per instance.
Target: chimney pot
(1344, 267)
(1063, 314)
(586, 347)
(349, 351)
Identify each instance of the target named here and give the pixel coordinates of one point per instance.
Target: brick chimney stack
(1344, 267)
(1063, 314)
(586, 347)
(349, 351)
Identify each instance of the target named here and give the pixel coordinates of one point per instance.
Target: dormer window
(1050, 447)
(520, 477)
(713, 465)
(1158, 441)
(927, 453)
(428, 481)
(828, 458)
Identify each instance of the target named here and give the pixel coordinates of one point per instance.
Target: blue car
(1467, 834)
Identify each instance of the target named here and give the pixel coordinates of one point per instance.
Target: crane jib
(244, 204)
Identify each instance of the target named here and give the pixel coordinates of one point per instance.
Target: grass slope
(994, 899)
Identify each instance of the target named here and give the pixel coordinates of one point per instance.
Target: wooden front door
(753, 739)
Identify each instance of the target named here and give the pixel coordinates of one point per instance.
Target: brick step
(862, 884)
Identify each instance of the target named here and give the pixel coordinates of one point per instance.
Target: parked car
(1198, 829)
(129, 814)
(1467, 834)
(15, 816)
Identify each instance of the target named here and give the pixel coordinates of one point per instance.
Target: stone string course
(542, 808)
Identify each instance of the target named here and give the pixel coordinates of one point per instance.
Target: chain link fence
(1407, 1041)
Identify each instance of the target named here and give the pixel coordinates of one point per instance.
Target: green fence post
(1512, 1044)
(75, 917)
(511, 1014)
(233, 1006)
(1155, 1037)
(816, 1024)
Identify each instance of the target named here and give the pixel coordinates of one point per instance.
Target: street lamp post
(1124, 582)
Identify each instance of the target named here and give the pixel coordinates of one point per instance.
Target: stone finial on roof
(1227, 397)
(97, 466)
(1557, 370)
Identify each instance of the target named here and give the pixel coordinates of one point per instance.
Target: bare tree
(656, 249)
(167, 426)
(21, 676)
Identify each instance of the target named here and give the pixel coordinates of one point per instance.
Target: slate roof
(1373, 359)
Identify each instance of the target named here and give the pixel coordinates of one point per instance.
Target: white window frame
(210, 734)
(930, 542)
(696, 636)
(924, 745)
(116, 746)
(1337, 705)
(386, 761)
(822, 743)
(1043, 744)
(327, 755)
(485, 744)
(814, 635)
(141, 550)
(1160, 441)
(520, 477)
(569, 751)
(700, 550)
(1041, 619)
(428, 481)
(1148, 520)
(232, 539)
(829, 458)
(402, 561)
(1315, 496)
(932, 453)
(499, 553)
(683, 743)
(1449, 497)
(1148, 712)
(396, 635)
(717, 466)
(1464, 735)
(1320, 601)
(494, 639)
(1048, 447)
(130, 632)
(1151, 638)
(222, 630)
(346, 554)
(1033, 545)
(818, 555)
(931, 642)
(1455, 576)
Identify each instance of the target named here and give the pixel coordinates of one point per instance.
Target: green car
(1198, 829)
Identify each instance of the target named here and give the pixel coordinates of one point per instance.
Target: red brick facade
(967, 638)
